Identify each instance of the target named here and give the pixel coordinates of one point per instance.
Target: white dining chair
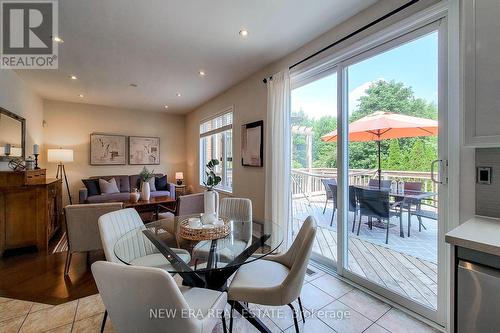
(240, 211)
(277, 279)
(147, 299)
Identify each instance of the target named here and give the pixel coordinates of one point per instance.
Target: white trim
(225, 110)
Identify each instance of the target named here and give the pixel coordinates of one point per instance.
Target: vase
(145, 191)
(134, 196)
(210, 202)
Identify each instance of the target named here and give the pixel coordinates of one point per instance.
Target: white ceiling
(162, 44)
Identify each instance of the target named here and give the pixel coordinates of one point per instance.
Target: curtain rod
(352, 34)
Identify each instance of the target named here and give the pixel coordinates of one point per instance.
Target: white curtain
(278, 157)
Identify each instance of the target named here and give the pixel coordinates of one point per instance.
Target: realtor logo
(27, 34)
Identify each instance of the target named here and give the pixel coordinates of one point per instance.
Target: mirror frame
(23, 133)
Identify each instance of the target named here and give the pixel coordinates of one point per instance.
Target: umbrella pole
(379, 166)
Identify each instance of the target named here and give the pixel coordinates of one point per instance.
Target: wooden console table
(29, 214)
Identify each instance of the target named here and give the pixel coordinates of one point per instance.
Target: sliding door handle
(442, 172)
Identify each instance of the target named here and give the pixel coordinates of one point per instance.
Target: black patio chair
(407, 203)
(385, 184)
(375, 204)
(329, 194)
(353, 206)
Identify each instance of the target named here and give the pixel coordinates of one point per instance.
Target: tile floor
(330, 306)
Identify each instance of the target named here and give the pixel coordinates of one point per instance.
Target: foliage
(412, 154)
(146, 175)
(212, 179)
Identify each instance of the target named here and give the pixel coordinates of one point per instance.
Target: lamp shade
(179, 175)
(60, 155)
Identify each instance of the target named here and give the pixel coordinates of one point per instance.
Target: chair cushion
(92, 186)
(259, 282)
(161, 183)
(160, 194)
(109, 197)
(201, 300)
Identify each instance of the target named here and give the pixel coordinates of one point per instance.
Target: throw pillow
(92, 186)
(108, 187)
(152, 186)
(161, 183)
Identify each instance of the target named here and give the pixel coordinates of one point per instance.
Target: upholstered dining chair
(82, 230)
(114, 225)
(147, 299)
(239, 210)
(185, 205)
(280, 277)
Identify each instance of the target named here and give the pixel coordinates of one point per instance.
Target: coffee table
(151, 205)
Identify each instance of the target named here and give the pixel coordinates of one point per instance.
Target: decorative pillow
(161, 183)
(152, 186)
(108, 187)
(92, 186)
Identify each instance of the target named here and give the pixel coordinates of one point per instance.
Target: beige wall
(69, 125)
(18, 98)
(249, 99)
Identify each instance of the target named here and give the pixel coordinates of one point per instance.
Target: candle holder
(36, 161)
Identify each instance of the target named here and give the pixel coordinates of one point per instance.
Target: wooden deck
(412, 277)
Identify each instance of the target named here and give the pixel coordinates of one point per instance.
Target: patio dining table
(407, 198)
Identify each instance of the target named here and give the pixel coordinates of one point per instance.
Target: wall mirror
(12, 135)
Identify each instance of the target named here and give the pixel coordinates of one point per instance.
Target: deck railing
(307, 182)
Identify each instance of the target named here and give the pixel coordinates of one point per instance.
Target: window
(216, 142)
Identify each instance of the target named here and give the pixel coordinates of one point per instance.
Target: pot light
(133, 85)
(243, 33)
(178, 94)
(73, 77)
(57, 39)
(81, 96)
(165, 106)
(202, 73)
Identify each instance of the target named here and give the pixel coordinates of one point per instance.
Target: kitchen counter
(479, 233)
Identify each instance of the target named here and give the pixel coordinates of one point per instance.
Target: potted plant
(146, 176)
(210, 197)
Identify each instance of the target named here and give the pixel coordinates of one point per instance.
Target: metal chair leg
(359, 224)
(324, 209)
(104, 320)
(333, 214)
(387, 232)
(195, 264)
(223, 318)
(294, 318)
(231, 318)
(354, 222)
(302, 311)
(68, 262)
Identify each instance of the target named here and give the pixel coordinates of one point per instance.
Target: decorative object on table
(12, 135)
(144, 150)
(107, 149)
(36, 152)
(179, 176)
(198, 232)
(16, 164)
(146, 176)
(29, 163)
(135, 195)
(211, 181)
(209, 218)
(61, 156)
(252, 148)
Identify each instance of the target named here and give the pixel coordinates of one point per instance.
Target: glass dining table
(200, 263)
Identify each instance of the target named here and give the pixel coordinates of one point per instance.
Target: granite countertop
(479, 233)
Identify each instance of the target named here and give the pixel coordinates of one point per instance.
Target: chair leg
(359, 224)
(302, 311)
(354, 222)
(195, 264)
(294, 318)
(387, 232)
(223, 318)
(420, 224)
(68, 262)
(103, 325)
(333, 214)
(324, 209)
(231, 317)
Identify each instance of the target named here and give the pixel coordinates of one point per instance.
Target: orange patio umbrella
(383, 125)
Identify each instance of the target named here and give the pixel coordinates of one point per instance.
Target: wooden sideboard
(29, 214)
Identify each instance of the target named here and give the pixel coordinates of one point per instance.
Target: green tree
(394, 160)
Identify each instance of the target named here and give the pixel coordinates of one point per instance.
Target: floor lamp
(60, 156)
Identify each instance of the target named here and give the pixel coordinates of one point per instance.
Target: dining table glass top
(163, 244)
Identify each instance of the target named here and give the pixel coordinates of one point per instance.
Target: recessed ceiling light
(133, 85)
(202, 73)
(57, 39)
(73, 77)
(81, 96)
(166, 106)
(178, 94)
(243, 33)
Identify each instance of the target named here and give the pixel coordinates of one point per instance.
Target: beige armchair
(82, 230)
(277, 280)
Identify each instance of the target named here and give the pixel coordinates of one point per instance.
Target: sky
(414, 63)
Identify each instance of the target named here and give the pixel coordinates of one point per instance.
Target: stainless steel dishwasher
(478, 298)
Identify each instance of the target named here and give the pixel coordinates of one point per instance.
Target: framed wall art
(107, 149)
(252, 148)
(144, 150)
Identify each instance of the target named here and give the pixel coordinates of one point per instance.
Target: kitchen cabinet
(481, 71)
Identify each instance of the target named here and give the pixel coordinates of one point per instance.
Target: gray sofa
(125, 184)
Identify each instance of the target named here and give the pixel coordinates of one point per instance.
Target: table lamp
(179, 176)
(60, 156)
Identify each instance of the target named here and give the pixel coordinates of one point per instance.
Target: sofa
(125, 185)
